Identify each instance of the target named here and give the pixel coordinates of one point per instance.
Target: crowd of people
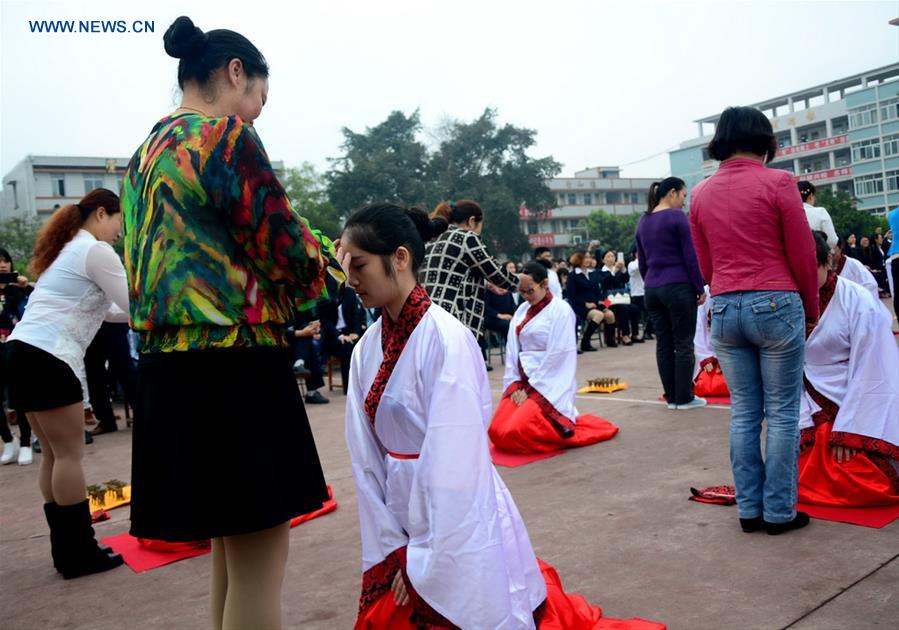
(232, 297)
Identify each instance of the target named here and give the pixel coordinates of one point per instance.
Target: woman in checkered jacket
(458, 266)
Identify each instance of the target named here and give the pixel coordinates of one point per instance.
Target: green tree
(489, 163)
(307, 190)
(17, 236)
(386, 163)
(846, 218)
(614, 231)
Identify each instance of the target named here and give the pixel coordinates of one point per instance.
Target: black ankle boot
(52, 522)
(609, 334)
(799, 521)
(589, 329)
(80, 554)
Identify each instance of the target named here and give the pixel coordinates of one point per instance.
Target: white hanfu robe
(858, 273)
(851, 359)
(547, 351)
(702, 339)
(425, 480)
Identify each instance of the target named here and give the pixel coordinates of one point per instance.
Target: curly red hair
(64, 225)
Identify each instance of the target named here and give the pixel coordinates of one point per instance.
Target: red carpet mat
(513, 460)
(876, 517)
(152, 554)
(143, 558)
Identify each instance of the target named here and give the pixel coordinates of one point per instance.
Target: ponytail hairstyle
(658, 191)
(64, 224)
(458, 212)
(382, 228)
(806, 189)
(201, 54)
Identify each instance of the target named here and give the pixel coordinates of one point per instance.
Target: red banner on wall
(811, 146)
(542, 240)
(833, 173)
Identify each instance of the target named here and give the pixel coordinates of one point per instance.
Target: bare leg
(218, 590)
(63, 429)
(255, 573)
(45, 474)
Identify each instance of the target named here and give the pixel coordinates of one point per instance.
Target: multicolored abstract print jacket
(215, 254)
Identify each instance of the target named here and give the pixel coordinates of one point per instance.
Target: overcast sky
(603, 83)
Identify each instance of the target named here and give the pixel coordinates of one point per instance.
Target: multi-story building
(39, 184)
(843, 134)
(600, 188)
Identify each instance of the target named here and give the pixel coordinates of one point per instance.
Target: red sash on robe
(868, 478)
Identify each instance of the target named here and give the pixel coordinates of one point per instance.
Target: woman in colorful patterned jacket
(217, 259)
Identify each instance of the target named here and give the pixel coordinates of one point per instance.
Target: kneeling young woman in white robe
(537, 412)
(708, 379)
(849, 417)
(443, 544)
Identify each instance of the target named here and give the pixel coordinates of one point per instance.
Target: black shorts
(37, 380)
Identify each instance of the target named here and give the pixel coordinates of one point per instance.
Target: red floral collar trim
(825, 295)
(841, 264)
(533, 311)
(394, 335)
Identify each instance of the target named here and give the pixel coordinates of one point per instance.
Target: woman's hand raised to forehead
(343, 257)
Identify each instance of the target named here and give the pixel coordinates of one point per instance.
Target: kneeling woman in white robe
(443, 544)
(708, 379)
(537, 412)
(849, 417)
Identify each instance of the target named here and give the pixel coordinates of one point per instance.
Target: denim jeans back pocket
(777, 315)
(719, 312)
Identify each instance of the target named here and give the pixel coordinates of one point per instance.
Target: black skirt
(37, 380)
(222, 445)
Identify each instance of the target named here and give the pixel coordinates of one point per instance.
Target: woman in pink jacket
(756, 250)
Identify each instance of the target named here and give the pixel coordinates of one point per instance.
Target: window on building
(866, 150)
(863, 116)
(842, 158)
(706, 156)
(892, 180)
(840, 125)
(868, 185)
(588, 199)
(889, 110)
(92, 182)
(15, 195)
(532, 227)
(891, 145)
(561, 198)
(58, 185)
(572, 199)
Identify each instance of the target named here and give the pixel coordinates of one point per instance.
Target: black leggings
(627, 318)
(894, 273)
(24, 426)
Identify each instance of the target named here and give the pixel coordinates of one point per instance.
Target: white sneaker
(671, 406)
(25, 456)
(693, 404)
(10, 453)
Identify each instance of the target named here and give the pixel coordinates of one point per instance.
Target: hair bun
(428, 229)
(184, 40)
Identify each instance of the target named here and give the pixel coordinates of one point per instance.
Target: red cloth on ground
(560, 611)
(142, 555)
(514, 460)
(526, 429)
(860, 482)
(875, 517)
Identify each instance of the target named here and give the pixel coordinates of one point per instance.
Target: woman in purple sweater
(673, 286)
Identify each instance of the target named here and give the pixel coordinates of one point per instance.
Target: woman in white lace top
(81, 283)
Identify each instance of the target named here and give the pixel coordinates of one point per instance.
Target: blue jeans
(759, 337)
